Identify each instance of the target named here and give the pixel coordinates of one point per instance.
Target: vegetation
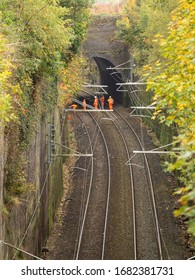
(140, 22)
(175, 98)
(6, 85)
(171, 76)
(72, 79)
(37, 38)
(79, 18)
(40, 41)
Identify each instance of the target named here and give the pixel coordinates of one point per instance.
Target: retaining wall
(28, 221)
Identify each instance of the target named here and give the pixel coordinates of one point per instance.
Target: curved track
(132, 189)
(85, 230)
(83, 211)
(149, 183)
(118, 217)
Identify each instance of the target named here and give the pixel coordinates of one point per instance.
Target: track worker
(95, 103)
(74, 107)
(110, 102)
(102, 99)
(84, 104)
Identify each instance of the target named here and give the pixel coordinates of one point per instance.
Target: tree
(46, 35)
(172, 79)
(36, 37)
(79, 18)
(140, 22)
(71, 79)
(9, 90)
(169, 48)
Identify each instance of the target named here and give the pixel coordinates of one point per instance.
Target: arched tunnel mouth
(110, 76)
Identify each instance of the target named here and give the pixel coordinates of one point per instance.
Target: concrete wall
(28, 222)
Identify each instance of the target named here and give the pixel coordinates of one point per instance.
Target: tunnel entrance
(110, 76)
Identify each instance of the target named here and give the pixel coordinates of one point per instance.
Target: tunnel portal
(110, 76)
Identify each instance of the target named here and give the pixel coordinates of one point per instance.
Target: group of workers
(96, 103)
(102, 101)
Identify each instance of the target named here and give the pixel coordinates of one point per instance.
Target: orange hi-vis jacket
(95, 103)
(84, 104)
(74, 106)
(102, 100)
(110, 103)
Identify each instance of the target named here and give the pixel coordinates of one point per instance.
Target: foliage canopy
(161, 35)
(173, 82)
(140, 21)
(37, 39)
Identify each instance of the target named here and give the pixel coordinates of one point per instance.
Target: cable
(18, 249)
(139, 103)
(82, 207)
(39, 200)
(34, 212)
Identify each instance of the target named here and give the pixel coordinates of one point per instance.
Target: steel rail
(108, 190)
(89, 192)
(157, 227)
(132, 191)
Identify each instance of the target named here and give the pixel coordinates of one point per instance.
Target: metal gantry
(52, 147)
(102, 87)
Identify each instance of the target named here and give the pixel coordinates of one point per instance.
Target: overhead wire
(81, 213)
(141, 104)
(152, 199)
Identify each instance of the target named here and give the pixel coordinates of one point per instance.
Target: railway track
(149, 185)
(141, 234)
(132, 189)
(95, 195)
(84, 207)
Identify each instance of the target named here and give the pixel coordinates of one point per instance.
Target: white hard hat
(110, 96)
(95, 96)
